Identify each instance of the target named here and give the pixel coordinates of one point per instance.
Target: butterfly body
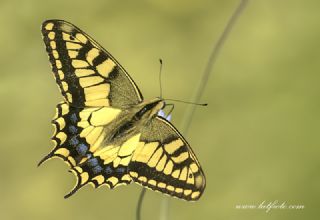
(104, 129)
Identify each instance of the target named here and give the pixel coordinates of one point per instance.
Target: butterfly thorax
(134, 118)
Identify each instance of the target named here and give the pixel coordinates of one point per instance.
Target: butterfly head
(150, 109)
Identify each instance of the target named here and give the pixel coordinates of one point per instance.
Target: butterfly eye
(142, 112)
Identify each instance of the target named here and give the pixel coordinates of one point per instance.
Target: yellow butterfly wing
(86, 73)
(164, 161)
(96, 89)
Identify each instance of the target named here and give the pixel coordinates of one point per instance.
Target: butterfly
(104, 129)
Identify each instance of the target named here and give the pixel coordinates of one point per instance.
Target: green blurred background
(258, 140)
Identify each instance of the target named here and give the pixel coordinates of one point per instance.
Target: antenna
(174, 100)
(193, 103)
(160, 60)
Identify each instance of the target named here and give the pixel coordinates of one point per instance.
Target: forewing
(164, 161)
(86, 73)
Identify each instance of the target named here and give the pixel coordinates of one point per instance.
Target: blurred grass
(257, 140)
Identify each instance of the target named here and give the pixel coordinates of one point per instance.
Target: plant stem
(139, 205)
(207, 71)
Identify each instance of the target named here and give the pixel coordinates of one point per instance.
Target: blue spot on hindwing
(108, 170)
(72, 129)
(73, 118)
(92, 162)
(82, 149)
(97, 169)
(121, 170)
(74, 141)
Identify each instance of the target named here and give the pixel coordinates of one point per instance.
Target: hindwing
(81, 140)
(164, 161)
